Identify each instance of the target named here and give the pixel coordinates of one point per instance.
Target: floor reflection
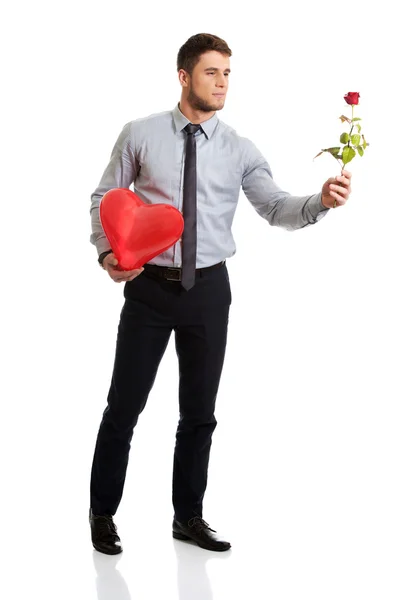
(110, 584)
(193, 579)
(193, 582)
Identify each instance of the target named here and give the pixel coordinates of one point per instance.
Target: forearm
(120, 172)
(294, 212)
(279, 207)
(98, 237)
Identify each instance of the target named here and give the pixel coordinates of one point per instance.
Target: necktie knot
(192, 129)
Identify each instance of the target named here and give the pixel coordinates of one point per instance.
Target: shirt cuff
(316, 208)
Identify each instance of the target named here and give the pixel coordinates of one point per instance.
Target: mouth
(219, 95)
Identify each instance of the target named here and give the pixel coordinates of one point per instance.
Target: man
(189, 158)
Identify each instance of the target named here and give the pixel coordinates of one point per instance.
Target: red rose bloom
(352, 97)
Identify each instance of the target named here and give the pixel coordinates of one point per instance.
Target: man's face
(208, 84)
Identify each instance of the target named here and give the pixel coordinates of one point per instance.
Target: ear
(184, 78)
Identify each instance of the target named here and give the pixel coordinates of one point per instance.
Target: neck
(194, 116)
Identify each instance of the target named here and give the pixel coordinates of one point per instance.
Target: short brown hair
(189, 54)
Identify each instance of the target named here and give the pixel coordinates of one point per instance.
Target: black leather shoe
(104, 534)
(198, 530)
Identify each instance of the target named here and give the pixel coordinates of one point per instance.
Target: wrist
(102, 257)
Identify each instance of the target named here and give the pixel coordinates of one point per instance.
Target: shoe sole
(186, 538)
(110, 553)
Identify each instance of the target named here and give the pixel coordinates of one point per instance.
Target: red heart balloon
(136, 231)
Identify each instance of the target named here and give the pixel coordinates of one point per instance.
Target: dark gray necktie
(189, 238)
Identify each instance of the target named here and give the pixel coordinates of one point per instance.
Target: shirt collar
(181, 121)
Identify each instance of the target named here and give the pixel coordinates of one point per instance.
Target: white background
(304, 471)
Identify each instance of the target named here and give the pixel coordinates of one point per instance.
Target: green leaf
(334, 151)
(344, 138)
(359, 128)
(360, 151)
(348, 154)
(357, 119)
(355, 139)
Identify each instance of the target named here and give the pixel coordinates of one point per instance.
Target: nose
(221, 81)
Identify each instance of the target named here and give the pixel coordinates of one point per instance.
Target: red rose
(352, 97)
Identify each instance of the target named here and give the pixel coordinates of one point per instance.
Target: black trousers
(154, 308)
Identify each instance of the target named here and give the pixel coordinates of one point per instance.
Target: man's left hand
(336, 190)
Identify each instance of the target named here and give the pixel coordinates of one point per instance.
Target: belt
(175, 273)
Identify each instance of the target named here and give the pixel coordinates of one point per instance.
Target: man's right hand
(110, 264)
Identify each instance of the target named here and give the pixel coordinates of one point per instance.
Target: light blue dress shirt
(148, 158)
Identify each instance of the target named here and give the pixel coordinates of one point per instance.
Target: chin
(217, 106)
